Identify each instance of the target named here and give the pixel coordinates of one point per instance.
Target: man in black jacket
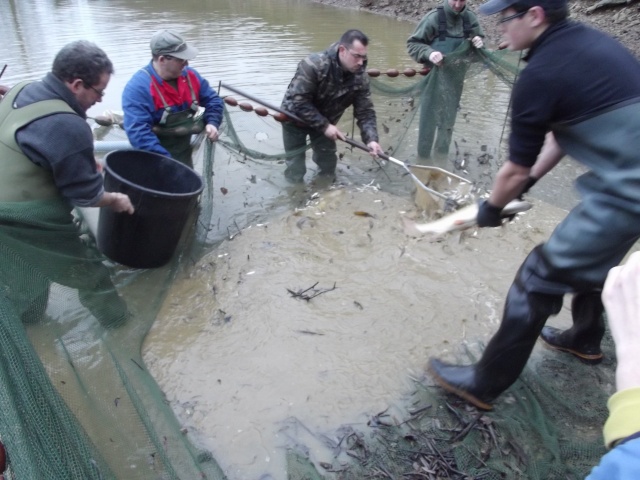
(579, 95)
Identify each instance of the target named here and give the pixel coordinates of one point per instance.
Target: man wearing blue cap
(161, 101)
(579, 95)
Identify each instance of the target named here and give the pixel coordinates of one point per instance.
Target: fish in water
(460, 220)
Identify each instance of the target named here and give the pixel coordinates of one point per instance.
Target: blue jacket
(143, 106)
(623, 425)
(621, 463)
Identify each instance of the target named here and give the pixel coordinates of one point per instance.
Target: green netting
(79, 403)
(77, 400)
(467, 99)
(547, 426)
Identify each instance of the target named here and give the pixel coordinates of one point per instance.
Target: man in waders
(324, 86)
(161, 101)
(440, 32)
(47, 167)
(579, 96)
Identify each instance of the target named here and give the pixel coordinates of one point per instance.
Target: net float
(231, 101)
(373, 72)
(263, 112)
(280, 117)
(409, 72)
(392, 72)
(103, 120)
(425, 70)
(247, 107)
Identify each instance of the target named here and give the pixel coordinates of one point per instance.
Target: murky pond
(311, 316)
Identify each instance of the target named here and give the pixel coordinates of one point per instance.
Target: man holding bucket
(579, 95)
(47, 167)
(162, 101)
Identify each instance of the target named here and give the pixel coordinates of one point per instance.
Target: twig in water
(231, 237)
(314, 293)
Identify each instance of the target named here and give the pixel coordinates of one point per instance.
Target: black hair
(557, 14)
(81, 59)
(351, 36)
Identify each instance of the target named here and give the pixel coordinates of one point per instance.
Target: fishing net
(540, 429)
(78, 401)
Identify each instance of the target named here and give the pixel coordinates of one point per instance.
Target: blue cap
(495, 6)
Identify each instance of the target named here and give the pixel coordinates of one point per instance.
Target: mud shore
(621, 21)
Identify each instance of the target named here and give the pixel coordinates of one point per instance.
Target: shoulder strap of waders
(442, 24)
(167, 108)
(466, 25)
(22, 179)
(194, 100)
(13, 119)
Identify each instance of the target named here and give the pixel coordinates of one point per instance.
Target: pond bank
(620, 21)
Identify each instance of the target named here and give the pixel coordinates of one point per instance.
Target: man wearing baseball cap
(161, 101)
(579, 96)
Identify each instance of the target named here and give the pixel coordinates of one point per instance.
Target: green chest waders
(21, 179)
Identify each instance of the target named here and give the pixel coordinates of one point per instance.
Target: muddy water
(319, 317)
(250, 367)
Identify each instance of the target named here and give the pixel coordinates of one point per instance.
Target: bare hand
(375, 149)
(212, 132)
(477, 42)
(334, 133)
(436, 58)
(118, 202)
(621, 298)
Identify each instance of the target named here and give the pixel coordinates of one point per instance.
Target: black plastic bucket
(164, 194)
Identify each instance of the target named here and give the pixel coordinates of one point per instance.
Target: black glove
(488, 215)
(527, 186)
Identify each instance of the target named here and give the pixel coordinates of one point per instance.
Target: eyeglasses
(512, 17)
(100, 93)
(359, 56)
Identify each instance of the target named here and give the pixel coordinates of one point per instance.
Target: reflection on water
(244, 43)
(357, 362)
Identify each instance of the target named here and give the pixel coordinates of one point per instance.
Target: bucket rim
(150, 190)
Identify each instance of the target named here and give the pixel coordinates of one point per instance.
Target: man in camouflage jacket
(324, 86)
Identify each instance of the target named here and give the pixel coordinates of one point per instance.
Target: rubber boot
(507, 353)
(583, 338)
